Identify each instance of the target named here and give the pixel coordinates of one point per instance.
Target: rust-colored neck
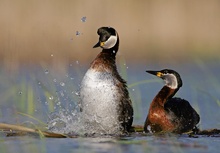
(164, 94)
(104, 62)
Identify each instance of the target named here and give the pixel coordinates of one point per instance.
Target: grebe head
(172, 78)
(108, 38)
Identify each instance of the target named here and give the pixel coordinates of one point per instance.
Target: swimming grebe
(167, 114)
(104, 95)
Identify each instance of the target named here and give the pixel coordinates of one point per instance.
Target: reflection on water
(131, 144)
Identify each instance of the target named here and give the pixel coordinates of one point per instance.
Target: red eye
(165, 72)
(104, 38)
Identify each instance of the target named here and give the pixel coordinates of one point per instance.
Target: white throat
(112, 40)
(171, 81)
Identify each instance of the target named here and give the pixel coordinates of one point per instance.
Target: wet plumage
(104, 95)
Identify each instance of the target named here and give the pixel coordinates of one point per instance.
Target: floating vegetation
(21, 130)
(17, 130)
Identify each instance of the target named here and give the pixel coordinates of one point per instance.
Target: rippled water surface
(39, 94)
(111, 145)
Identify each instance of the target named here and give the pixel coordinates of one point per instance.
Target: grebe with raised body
(104, 95)
(168, 114)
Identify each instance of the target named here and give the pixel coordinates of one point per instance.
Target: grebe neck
(164, 94)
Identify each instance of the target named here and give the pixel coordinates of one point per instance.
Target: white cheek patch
(171, 81)
(112, 40)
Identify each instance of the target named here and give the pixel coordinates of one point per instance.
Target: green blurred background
(33, 31)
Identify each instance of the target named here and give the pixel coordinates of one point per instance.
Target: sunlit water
(55, 102)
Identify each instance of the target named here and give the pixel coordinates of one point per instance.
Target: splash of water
(68, 119)
(76, 123)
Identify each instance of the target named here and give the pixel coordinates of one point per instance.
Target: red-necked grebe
(168, 114)
(104, 93)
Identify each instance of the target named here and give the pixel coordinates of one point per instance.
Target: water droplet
(77, 33)
(46, 71)
(54, 80)
(62, 84)
(20, 92)
(39, 83)
(51, 97)
(77, 93)
(77, 62)
(54, 123)
(83, 19)
(51, 55)
(71, 65)
(61, 93)
(46, 102)
(127, 67)
(72, 78)
(58, 103)
(113, 51)
(133, 89)
(69, 118)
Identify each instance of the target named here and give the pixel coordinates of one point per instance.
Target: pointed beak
(97, 45)
(157, 73)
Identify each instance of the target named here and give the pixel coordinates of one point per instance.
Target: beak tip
(148, 71)
(96, 45)
(152, 72)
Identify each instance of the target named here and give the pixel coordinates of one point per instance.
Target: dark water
(40, 90)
